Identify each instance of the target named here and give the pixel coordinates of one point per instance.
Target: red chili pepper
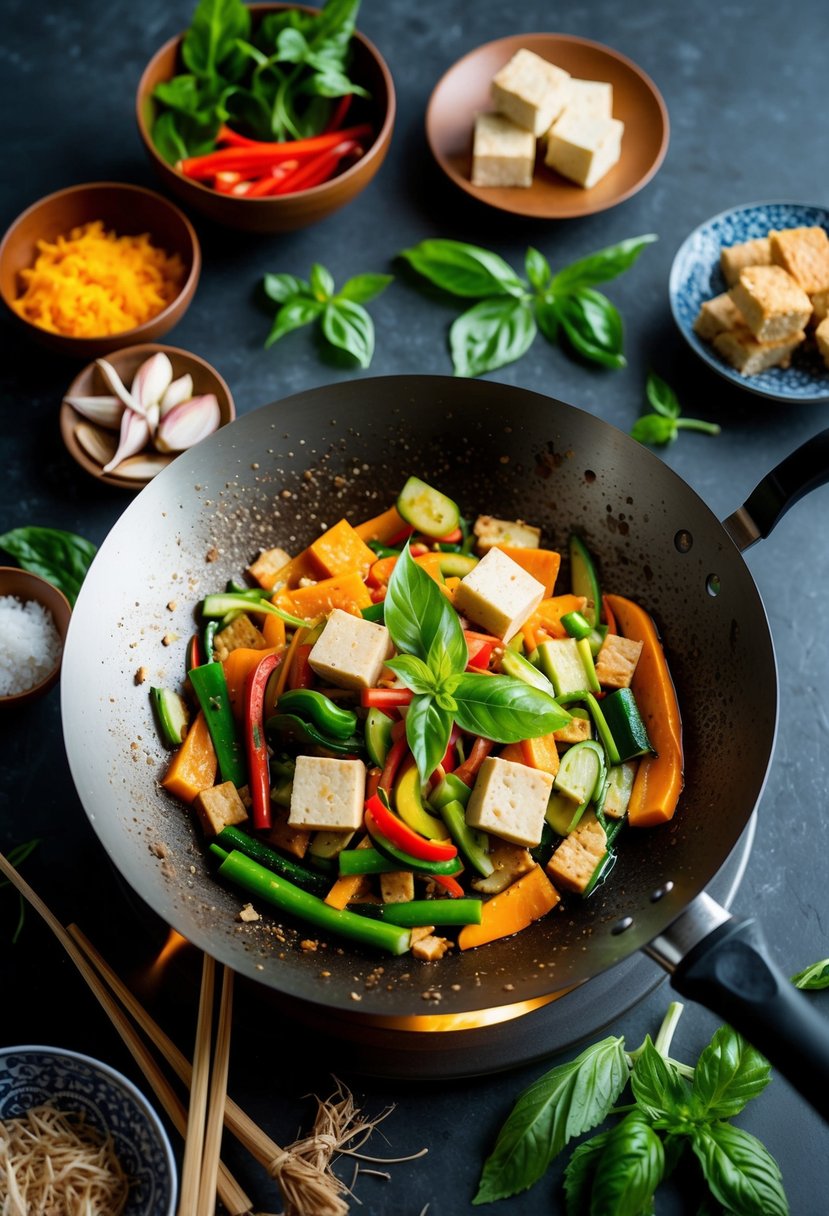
(385, 698)
(318, 169)
(451, 538)
(400, 834)
(234, 139)
(450, 759)
(194, 656)
(259, 777)
(480, 750)
(338, 113)
(225, 181)
(479, 655)
(394, 759)
(268, 183)
(449, 884)
(400, 537)
(372, 782)
(258, 156)
(301, 674)
(418, 550)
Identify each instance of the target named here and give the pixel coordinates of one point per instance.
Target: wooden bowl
(90, 383)
(128, 210)
(24, 585)
(285, 212)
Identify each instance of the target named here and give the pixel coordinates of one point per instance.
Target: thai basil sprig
(433, 655)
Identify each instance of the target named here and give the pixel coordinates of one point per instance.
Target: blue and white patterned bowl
(696, 276)
(30, 1076)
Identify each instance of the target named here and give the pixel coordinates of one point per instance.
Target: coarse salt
(30, 645)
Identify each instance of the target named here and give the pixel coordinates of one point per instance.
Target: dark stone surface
(742, 85)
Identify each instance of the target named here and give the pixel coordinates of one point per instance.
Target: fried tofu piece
(509, 862)
(716, 316)
(749, 253)
(267, 566)
(616, 661)
(430, 948)
(773, 304)
(576, 731)
(241, 633)
(397, 887)
(421, 931)
(820, 306)
(742, 350)
(281, 834)
(822, 338)
(804, 254)
(513, 533)
(219, 807)
(572, 865)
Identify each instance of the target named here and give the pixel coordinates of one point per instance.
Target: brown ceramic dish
(90, 383)
(464, 91)
(279, 213)
(128, 210)
(26, 586)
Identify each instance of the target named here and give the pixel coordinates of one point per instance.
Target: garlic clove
(135, 435)
(116, 385)
(178, 391)
(187, 424)
(143, 467)
(106, 411)
(98, 444)
(152, 380)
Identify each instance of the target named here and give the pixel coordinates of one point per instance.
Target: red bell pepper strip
(372, 782)
(449, 884)
(268, 182)
(193, 656)
(234, 139)
(301, 674)
(479, 655)
(385, 698)
(318, 169)
(338, 113)
(404, 837)
(262, 156)
(259, 777)
(226, 180)
(394, 759)
(467, 771)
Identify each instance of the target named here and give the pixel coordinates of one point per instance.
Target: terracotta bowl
(280, 213)
(90, 383)
(123, 208)
(25, 586)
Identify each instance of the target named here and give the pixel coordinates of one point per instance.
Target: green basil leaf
(335, 23)
(349, 327)
(414, 673)
(654, 428)
(662, 397)
(538, 269)
(62, 558)
(182, 93)
(740, 1171)
(283, 287)
(445, 700)
(505, 709)
(427, 731)
(331, 83)
(729, 1073)
(417, 613)
(364, 287)
(322, 282)
(813, 978)
(464, 270)
(658, 1087)
(491, 334)
(629, 1169)
(293, 315)
(593, 327)
(546, 316)
(567, 1101)
(579, 1174)
(212, 34)
(249, 51)
(168, 140)
(291, 46)
(601, 266)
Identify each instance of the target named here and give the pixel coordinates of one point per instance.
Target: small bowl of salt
(34, 617)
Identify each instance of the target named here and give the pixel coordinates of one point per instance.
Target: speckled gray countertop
(743, 84)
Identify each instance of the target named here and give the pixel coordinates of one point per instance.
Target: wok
(278, 476)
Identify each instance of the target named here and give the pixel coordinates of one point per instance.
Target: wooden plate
(464, 91)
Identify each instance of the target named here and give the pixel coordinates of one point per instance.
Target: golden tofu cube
(397, 887)
(267, 566)
(240, 633)
(575, 860)
(617, 661)
(219, 807)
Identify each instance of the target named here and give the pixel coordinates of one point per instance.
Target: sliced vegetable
(259, 778)
(288, 730)
(559, 813)
(472, 845)
(234, 838)
(577, 625)
(457, 565)
(210, 687)
(584, 579)
(621, 713)
(230, 601)
(514, 664)
(586, 656)
(427, 509)
(193, 767)
(368, 860)
(378, 736)
(416, 912)
(408, 802)
(330, 719)
(374, 612)
(172, 715)
(451, 788)
(404, 837)
(525, 901)
(563, 664)
(581, 776)
(618, 790)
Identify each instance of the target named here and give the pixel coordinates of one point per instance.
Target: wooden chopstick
(218, 1096)
(191, 1167)
(230, 1193)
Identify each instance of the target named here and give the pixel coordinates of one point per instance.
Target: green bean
(233, 838)
(416, 912)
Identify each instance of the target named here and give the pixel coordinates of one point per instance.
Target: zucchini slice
(584, 579)
(426, 509)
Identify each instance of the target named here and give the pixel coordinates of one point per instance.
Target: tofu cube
(591, 98)
(804, 254)
(397, 887)
(509, 800)
(350, 652)
(616, 661)
(328, 793)
(513, 533)
(716, 316)
(267, 566)
(430, 948)
(584, 149)
(503, 154)
(576, 731)
(820, 306)
(742, 350)
(498, 595)
(822, 338)
(219, 807)
(239, 634)
(774, 306)
(280, 835)
(509, 862)
(572, 865)
(531, 91)
(735, 258)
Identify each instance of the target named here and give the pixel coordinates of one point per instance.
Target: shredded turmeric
(92, 282)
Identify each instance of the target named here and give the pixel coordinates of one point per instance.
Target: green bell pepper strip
(378, 736)
(405, 861)
(417, 912)
(374, 612)
(320, 711)
(464, 836)
(210, 687)
(248, 593)
(372, 861)
(288, 897)
(577, 625)
(289, 729)
(449, 789)
(232, 601)
(231, 838)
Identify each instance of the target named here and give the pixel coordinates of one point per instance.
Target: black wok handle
(731, 973)
(801, 472)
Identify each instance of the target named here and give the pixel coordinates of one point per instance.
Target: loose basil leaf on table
(664, 424)
(364, 287)
(349, 327)
(283, 287)
(580, 1172)
(813, 978)
(657, 1086)
(62, 558)
(464, 270)
(592, 325)
(490, 335)
(294, 314)
(538, 269)
(601, 266)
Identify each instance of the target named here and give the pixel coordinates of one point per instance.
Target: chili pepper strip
(317, 170)
(449, 884)
(259, 778)
(401, 859)
(404, 837)
(264, 155)
(385, 698)
(467, 771)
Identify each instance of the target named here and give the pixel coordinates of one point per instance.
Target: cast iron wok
(278, 476)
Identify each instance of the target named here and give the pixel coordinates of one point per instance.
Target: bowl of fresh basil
(267, 117)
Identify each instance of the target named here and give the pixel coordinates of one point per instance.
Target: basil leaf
(491, 334)
(281, 287)
(629, 1170)
(427, 730)
(168, 140)
(658, 1087)
(538, 269)
(740, 1171)
(364, 287)
(570, 1099)
(349, 327)
(291, 46)
(593, 327)
(414, 673)
(654, 428)
(729, 1073)
(322, 282)
(62, 558)
(546, 316)
(578, 1176)
(813, 978)
(601, 266)
(661, 396)
(505, 709)
(293, 315)
(418, 614)
(182, 93)
(464, 270)
(212, 34)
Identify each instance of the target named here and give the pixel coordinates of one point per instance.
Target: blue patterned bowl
(696, 276)
(30, 1076)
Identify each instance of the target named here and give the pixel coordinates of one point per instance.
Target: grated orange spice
(93, 282)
